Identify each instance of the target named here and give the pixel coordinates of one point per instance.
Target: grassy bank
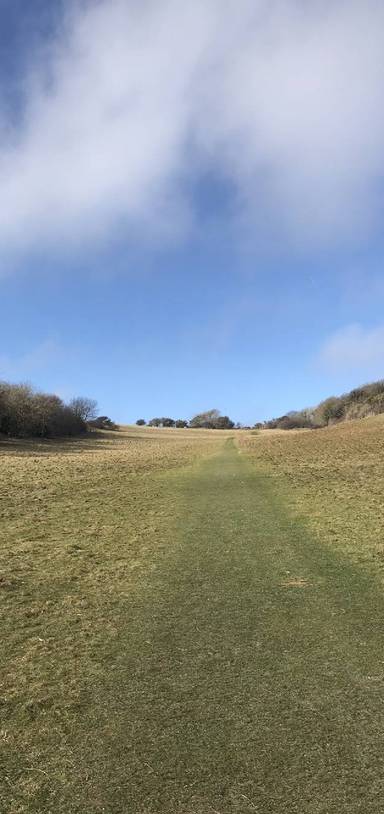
(331, 478)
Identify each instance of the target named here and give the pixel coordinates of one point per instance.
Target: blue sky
(191, 213)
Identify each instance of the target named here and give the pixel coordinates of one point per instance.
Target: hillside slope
(361, 402)
(332, 478)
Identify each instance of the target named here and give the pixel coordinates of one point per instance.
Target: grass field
(332, 478)
(193, 622)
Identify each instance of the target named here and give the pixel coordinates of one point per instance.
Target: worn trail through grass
(246, 677)
(254, 682)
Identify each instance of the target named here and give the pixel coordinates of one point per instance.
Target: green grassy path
(248, 678)
(256, 681)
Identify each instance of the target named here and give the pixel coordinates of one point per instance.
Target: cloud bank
(283, 98)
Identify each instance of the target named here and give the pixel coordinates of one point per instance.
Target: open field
(81, 531)
(332, 478)
(192, 622)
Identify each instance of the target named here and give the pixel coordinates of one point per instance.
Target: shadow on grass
(244, 674)
(249, 677)
(92, 441)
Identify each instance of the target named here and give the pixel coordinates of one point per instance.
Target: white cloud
(355, 349)
(283, 97)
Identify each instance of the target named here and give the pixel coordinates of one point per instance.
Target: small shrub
(103, 422)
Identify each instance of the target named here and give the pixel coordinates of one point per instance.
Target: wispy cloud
(284, 98)
(355, 349)
(44, 356)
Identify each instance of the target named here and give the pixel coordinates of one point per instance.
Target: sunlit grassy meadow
(83, 524)
(333, 478)
(192, 622)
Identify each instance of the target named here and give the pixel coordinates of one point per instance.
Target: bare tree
(25, 412)
(84, 408)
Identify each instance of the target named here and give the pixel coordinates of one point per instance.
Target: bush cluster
(358, 403)
(102, 422)
(25, 412)
(210, 420)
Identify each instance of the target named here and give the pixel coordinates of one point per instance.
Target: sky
(191, 199)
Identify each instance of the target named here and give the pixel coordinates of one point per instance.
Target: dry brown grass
(333, 478)
(174, 641)
(83, 524)
(45, 483)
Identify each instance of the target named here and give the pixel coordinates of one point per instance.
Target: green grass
(180, 642)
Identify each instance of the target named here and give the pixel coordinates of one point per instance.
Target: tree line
(209, 420)
(357, 403)
(26, 412)
(360, 402)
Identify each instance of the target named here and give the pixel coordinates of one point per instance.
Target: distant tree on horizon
(224, 423)
(161, 422)
(205, 420)
(167, 422)
(211, 420)
(141, 422)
